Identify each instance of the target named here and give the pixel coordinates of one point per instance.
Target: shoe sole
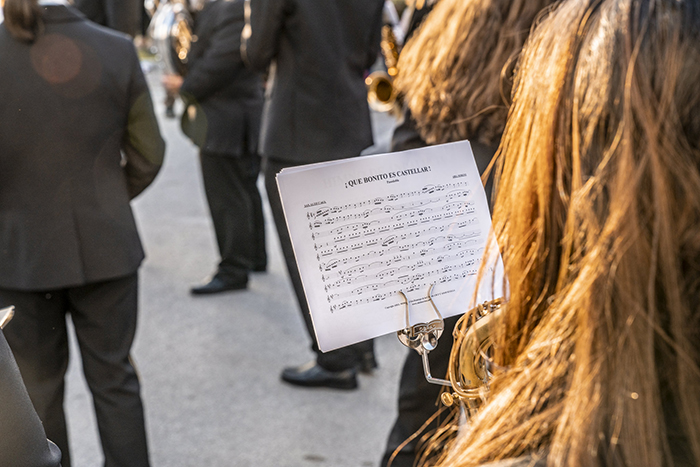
(351, 384)
(212, 292)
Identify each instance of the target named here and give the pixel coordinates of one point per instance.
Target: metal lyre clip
(6, 315)
(423, 337)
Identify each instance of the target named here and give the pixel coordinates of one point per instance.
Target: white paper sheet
(365, 228)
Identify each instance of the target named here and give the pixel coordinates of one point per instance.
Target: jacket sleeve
(143, 147)
(266, 23)
(217, 67)
(124, 15)
(375, 35)
(22, 437)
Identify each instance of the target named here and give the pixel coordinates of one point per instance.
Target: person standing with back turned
(120, 15)
(79, 139)
(224, 101)
(316, 111)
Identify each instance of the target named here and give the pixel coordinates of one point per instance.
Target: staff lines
(416, 256)
(419, 285)
(380, 200)
(369, 250)
(401, 271)
(366, 229)
(405, 279)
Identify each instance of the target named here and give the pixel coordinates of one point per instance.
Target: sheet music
(365, 228)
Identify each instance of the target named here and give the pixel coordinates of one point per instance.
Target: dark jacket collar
(61, 14)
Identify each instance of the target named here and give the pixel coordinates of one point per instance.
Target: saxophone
(381, 94)
(471, 365)
(171, 30)
(151, 6)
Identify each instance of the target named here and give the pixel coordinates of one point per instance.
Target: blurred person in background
(596, 356)
(223, 107)
(455, 76)
(316, 111)
(121, 15)
(79, 139)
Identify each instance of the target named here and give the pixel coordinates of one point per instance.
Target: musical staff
(331, 247)
(397, 276)
(419, 258)
(416, 285)
(368, 250)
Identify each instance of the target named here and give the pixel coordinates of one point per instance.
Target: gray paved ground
(210, 366)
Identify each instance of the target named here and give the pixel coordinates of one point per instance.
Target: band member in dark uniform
(121, 15)
(223, 106)
(316, 111)
(79, 139)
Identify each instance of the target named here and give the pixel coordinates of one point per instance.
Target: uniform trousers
(336, 360)
(236, 210)
(104, 318)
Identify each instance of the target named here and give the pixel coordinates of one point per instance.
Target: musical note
(369, 249)
(420, 258)
(456, 187)
(397, 277)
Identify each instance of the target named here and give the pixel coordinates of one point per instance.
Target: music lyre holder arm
(423, 337)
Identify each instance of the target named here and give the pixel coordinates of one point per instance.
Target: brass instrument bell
(171, 30)
(473, 362)
(381, 94)
(471, 374)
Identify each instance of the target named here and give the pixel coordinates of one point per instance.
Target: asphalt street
(210, 366)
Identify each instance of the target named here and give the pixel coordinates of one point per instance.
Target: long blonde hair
(598, 218)
(455, 73)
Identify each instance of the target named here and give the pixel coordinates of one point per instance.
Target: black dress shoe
(260, 267)
(220, 283)
(313, 375)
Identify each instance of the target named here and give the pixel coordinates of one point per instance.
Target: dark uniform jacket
(121, 15)
(224, 98)
(78, 139)
(317, 109)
